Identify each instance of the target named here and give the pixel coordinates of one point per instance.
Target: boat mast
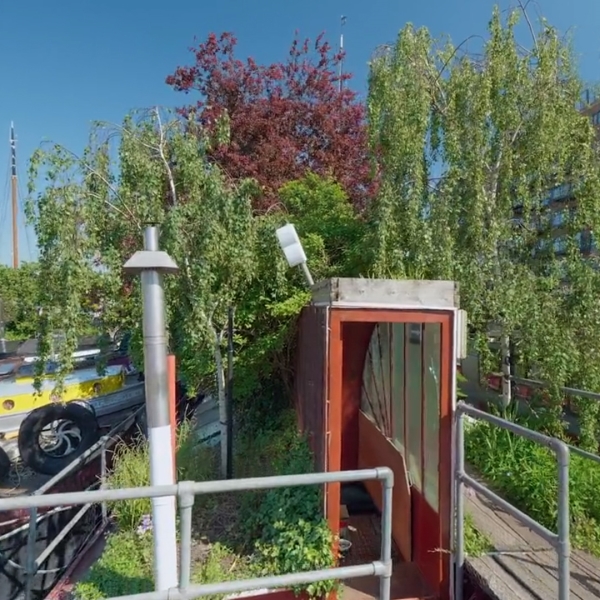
(13, 196)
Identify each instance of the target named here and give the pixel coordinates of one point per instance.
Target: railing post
(186, 492)
(186, 504)
(103, 482)
(385, 581)
(459, 487)
(30, 566)
(563, 545)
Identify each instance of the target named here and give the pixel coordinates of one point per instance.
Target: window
(413, 401)
(559, 245)
(560, 192)
(596, 118)
(558, 218)
(398, 404)
(431, 418)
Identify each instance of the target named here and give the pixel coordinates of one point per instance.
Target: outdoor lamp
(290, 244)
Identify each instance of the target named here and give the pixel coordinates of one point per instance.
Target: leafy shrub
(299, 545)
(131, 469)
(288, 524)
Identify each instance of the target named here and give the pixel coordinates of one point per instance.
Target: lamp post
(290, 244)
(152, 263)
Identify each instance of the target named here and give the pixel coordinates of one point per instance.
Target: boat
(18, 396)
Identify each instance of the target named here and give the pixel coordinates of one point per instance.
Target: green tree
(89, 219)
(331, 234)
(468, 147)
(18, 300)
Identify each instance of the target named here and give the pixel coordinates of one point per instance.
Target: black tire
(30, 449)
(4, 464)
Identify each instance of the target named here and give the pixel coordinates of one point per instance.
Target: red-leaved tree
(285, 119)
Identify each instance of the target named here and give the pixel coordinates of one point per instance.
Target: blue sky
(65, 64)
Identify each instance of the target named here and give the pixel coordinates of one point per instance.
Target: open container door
(405, 423)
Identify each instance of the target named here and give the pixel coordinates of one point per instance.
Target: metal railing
(33, 563)
(186, 491)
(569, 392)
(560, 541)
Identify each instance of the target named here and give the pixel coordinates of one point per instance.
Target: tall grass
(132, 469)
(525, 473)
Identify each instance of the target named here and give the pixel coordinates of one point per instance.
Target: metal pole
(385, 582)
(229, 398)
(563, 546)
(186, 504)
(460, 505)
(506, 372)
(14, 197)
(159, 426)
(30, 566)
(103, 483)
(341, 65)
(307, 274)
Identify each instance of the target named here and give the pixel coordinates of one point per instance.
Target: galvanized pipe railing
(32, 564)
(186, 492)
(567, 391)
(560, 541)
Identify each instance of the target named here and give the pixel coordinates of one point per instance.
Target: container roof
(386, 293)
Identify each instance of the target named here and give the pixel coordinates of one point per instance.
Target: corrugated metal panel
(310, 387)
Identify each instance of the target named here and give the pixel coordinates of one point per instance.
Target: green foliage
(467, 147)
(304, 547)
(476, 542)
(18, 300)
(525, 474)
(132, 469)
(221, 564)
(124, 568)
(323, 215)
(89, 221)
(278, 531)
(285, 526)
(284, 504)
(267, 315)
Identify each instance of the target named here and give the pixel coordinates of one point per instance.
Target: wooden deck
(407, 583)
(524, 567)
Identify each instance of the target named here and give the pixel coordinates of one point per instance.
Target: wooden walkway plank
(524, 565)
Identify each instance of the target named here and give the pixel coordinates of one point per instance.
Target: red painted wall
(356, 338)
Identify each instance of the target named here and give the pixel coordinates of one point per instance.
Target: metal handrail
(186, 491)
(32, 564)
(567, 391)
(560, 541)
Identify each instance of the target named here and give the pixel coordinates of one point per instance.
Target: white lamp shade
(290, 244)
